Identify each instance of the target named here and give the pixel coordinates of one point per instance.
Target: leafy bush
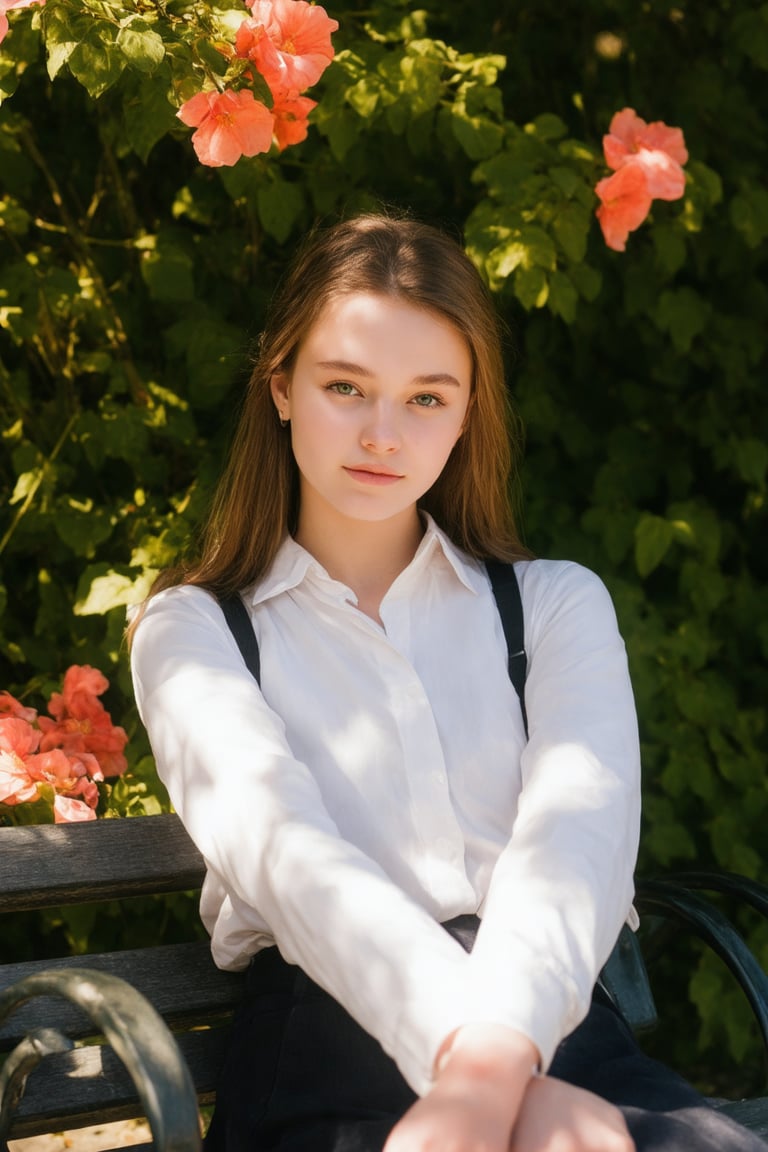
(133, 279)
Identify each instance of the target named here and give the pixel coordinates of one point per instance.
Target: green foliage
(132, 280)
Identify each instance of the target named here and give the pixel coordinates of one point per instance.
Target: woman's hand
(482, 1073)
(557, 1117)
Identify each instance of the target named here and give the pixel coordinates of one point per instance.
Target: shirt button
(438, 777)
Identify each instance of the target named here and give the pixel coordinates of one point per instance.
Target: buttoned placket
(432, 814)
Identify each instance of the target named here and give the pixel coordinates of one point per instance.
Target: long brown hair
(256, 501)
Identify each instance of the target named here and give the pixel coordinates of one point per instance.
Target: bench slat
(104, 1088)
(180, 980)
(44, 865)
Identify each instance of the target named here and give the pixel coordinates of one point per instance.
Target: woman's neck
(367, 556)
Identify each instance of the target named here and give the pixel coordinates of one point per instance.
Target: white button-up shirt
(379, 781)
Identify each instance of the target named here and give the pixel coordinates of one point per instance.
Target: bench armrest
(135, 1031)
(673, 899)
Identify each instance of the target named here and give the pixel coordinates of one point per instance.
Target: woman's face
(377, 398)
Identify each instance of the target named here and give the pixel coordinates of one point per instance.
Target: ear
(280, 387)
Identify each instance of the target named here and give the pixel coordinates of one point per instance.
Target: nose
(380, 432)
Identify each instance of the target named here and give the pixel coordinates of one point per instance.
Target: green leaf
(479, 136)
(342, 129)
(83, 529)
(563, 297)
(540, 250)
(653, 537)
(669, 244)
(531, 287)
(212, 350)
(26, 483)
(751, 457)
(100, 592)
(749, 215)
(750, 33)
(167, 270)
(95, 61)
(566, 179)
(684, 314)
(62, 32)
(571, 227)
(421, 83)
(547, 127)
(587, 279)
(33, 811)
(364, 96)
(14, 217)
(142, 48)
(281, 205)
(503, 260)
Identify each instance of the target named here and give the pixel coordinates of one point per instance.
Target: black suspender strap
(239, 622)
(506, 591)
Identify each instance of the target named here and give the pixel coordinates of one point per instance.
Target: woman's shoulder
(550, 586)
(540, 575)
(181, 606)
(179, 597)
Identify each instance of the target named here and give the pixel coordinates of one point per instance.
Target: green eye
(427, 400)
(343, 388)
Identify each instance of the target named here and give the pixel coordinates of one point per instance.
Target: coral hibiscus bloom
(70, 777)
(17, 741)
(82, 725)
(81, 685)
(229, 125)
(628, 135)
(625, 203)
(69, 811)
(289, 41)
(16, 784)
(10, 706)
(290, 112)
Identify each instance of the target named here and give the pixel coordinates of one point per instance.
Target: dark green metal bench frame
(142, 1032)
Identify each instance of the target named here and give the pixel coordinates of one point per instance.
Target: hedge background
(132, 281)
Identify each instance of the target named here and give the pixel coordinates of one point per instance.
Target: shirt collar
(293, 565)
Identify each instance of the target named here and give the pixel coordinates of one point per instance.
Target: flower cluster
(62, 757)
(5, 6)
(647, 162)
(288, 43)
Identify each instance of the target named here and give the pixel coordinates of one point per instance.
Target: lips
(372, 474)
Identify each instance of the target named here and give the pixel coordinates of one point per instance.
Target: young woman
(424, 894)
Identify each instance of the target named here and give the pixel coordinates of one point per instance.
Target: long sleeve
(562, 886)
(379, 782)
(258, 818)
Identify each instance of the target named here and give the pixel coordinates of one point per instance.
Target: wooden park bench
(99, 1038)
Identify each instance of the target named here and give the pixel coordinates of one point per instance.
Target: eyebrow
(427, 380)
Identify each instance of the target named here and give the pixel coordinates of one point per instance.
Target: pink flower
(290, 112)
(625, 203)
(629, 135)
(229, 125)
(18, 737)
(82, 725)
(659, 150)
(82, 685)
(10, 706)
(17, 740)
(5, 6)
(289, 41)
(68, 811)
(647, 164)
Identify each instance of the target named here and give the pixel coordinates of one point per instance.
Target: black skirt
(302, 1076)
